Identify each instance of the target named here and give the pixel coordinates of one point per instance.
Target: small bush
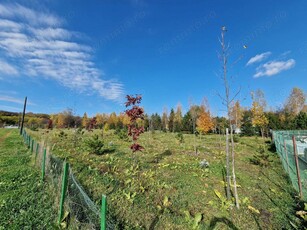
(96, 146)
(62, 134)
(180, 138)
(261, 158)
(236, 139)
(122, 134)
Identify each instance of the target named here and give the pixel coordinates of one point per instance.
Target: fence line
(69, 193)
(291, 147)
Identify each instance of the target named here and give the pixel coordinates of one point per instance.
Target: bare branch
(234, 97)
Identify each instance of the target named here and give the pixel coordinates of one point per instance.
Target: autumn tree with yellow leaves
(205, 122)
(258, 116)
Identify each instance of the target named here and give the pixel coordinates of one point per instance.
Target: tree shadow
(157, 158)
(257, 221)
(223, 220)
(276, 184)
(273, 202)
(154, 223)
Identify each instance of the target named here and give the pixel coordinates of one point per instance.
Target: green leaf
(166, 202)
(197, 220)
(187, 215)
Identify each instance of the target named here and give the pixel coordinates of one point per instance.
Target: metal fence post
(43, 165)
(64, 187)
(297, 167)
(32, 145)
(103, 213)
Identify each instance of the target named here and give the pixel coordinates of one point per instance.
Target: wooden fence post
(297, 167)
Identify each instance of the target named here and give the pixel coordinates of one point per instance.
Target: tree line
(198, 119)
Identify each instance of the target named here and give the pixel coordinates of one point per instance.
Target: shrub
(96, 146)
(62, 134)
(236, 138)
(180, 138)
(122, 134)
(261, 158)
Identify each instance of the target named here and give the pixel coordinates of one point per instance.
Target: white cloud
(274, 67)
(41, 47)
(16, 11)
(8, 69)
(14, 100)
(10, 108)
(258, 58)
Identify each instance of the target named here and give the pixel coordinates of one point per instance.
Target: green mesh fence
(285, 149)
(83, 212)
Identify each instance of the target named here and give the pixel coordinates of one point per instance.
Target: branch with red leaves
(135, 113)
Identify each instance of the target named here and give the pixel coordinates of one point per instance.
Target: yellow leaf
(218, 194)
(253, 209)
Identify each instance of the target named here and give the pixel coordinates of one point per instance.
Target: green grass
(164, 187)
(24, 202)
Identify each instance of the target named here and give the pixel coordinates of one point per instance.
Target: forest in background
(256, 120)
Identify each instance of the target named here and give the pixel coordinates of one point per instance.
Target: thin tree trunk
(227, 167)
(233, 170)
(228, 103)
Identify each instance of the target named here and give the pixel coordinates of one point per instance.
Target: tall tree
(178, 118)
(205, 122)
(236, 114)
(60, 120)
(156, 123)
(171, 119)
(165, 120)
(247, 128)
(300, 121)
(295, 102)
(187, 124)
(259, 118)
(227, 101)
(113, 120)
(85, 120)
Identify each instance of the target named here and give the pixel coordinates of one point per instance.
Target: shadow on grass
(285, 176)
(274, 202)
(223, 220)
(154, 223)
(161, 156)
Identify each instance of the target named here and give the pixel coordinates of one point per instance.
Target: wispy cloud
(41, 47)
(16, 11)
(14, 100)
(258, 58)
(274, 67)
(10, 108)
(8, 69)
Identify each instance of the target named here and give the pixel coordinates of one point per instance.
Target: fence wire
(285, 149)
(83, 212)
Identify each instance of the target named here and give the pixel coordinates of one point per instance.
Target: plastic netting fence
(286, 143)
(84, 213)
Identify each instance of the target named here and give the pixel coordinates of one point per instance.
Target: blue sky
(87, 55)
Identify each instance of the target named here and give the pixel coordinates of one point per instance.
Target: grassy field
(164, 186)
(24, 202)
